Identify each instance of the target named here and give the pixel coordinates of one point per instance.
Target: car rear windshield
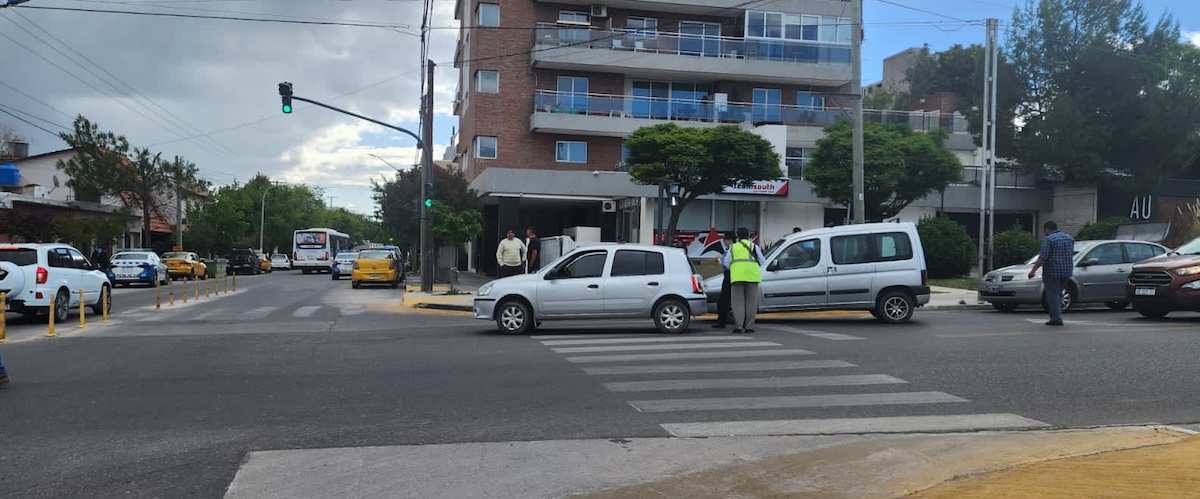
(19, 256)
(375, 255)
(174, 255)
(132, 256)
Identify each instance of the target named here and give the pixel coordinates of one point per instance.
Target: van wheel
(672, 316)
(105, 296)
(895, 307)
(513, 317)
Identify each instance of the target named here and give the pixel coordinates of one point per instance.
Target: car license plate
(993, 289)
(374, 277)
(1143, 291)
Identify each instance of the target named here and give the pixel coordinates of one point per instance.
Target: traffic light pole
(427, 172)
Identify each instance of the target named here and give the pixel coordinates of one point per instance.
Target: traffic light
(416, 208)
(428, 194)
(285, 95)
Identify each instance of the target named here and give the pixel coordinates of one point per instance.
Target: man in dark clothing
(1057, 261)
(4, 379)
(533, 249)
(724, 303)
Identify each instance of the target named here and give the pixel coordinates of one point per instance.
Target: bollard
(197, 297)
(185, 293)
(104, 292)
(3, 312)
(171, 292)
(50, 331)
(225, 288)
(82, 312)
(157, 293)
(235, 283)
(206, 288)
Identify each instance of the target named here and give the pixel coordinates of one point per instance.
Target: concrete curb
(445, 306)
(470, 308)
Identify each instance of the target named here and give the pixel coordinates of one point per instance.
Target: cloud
(1193, 36)
(180, 78)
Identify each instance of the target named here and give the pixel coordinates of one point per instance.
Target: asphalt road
(166, 403)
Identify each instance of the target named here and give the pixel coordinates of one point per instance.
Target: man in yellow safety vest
(744, 261)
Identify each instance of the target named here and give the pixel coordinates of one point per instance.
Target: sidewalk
(469, 283)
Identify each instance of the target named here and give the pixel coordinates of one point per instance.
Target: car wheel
(895, 307)
(355, 284)
(513, 317)
(1117, 305)
(105, 299)
(672, 316)
(1151, 312)
(191, 276)
(62, 305)
(1005, 307)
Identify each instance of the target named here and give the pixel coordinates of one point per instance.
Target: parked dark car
(1168, 283)
(243, 261)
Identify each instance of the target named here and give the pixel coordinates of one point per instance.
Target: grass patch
(970, 283)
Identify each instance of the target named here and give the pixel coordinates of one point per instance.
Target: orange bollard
(3, 312)
(50, 331)
(82, 312)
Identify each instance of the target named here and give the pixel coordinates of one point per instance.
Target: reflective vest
(743, 263)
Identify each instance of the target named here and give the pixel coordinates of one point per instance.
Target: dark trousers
(725, 303)
(505, 271)
(1053, 287)
(3, 372)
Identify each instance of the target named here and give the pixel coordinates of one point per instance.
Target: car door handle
(1121, 271)
(652, 283)
(593, 286)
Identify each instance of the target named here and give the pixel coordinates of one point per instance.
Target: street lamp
(384, 161)
(262, 217)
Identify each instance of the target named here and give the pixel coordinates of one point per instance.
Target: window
(851, 249)
(629, 262)
(570, 152)
(699, 38)
(488, 14)
(796, 158)
(573, 17)
(485, 147)
(572, 93)
(767, 104)
(1137, 252)
(487, 81)
(585, 265)
(1107, 254)
(801, 255)
(892, 246)
(825, 29)
(642, 27)
(576, 35)
(59, 257)
(807, 99)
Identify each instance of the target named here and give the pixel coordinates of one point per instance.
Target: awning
(1155, 232)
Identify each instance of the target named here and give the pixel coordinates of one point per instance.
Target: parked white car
(281, 261)
(878, 267)
(598, 281)
(46, 277)
(137, 266)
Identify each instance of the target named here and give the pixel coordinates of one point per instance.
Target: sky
(206, 89)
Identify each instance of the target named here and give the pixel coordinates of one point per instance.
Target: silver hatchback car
(595, 281)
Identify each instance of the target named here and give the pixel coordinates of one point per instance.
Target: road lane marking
(815, 334)
(689, 355)
(720, 367)
(259, 312)
(733, 383)
(661, 339)
(904, 424)
(681, 346)
(306, 311)
(793, 401)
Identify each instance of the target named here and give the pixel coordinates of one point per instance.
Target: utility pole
(427, 182)
(858, 204)
(262, 216)
(987, 173)
(993, 26)
(178, 211)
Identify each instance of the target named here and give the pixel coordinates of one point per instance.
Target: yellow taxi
(264, 261)
(183, 264)
(375, 266)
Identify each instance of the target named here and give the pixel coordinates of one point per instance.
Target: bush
(1101, 229)
(949, 251)
(1013, 246)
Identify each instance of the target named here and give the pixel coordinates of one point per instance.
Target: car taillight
(326, 256)
(145, 265)
(392, 265)
(697, 284)
(355, 265)
(43, 275)
(295, 255)
(924, 277)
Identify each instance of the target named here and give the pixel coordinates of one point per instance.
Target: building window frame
(642, 27)
(483, 85)
(796, 159)
(565, 151)
(481, 147)
(487, 15)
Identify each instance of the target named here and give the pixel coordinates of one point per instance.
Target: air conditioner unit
(599, 11)
(608, 206)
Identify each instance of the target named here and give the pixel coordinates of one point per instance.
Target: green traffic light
(287, 109)
(428, 203)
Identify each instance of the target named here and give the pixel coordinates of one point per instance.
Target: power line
(174, 6)
(225, 18)
(34, 116)
(27, 122)
(35, 99)
(923, 11)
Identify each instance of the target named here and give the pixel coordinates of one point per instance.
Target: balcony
(661, 55)
(710, 8)
(619, 115)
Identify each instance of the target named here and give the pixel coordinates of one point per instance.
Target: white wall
(778, 218)
(777, 135)
(1074, 207)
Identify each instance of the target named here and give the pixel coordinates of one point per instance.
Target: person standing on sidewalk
(533, 249)
(510, 255)
(744, 261)
(4, 379)
(724, 303)
(1057, 261)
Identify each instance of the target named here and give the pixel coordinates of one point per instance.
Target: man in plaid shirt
(1058, 259)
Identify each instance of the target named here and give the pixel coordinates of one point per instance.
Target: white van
(878, 267)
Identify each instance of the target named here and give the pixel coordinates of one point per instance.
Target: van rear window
(19, 256)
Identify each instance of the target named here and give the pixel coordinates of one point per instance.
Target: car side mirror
(1089, 262)
(773, 266)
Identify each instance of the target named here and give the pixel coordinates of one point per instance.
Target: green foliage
(1013, 246)
(83, 229)
(1101, 229)
(454, 227)
(960, 70)
(949, 249)
(104, 164)
(702, 160)
(900, 166)
(1105, 92)
(879, 98)
(27, 227)
(394, 199)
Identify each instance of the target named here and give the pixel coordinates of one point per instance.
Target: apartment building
(549, 90)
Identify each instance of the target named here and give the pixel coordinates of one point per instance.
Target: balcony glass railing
(550, 34)
(655, 108)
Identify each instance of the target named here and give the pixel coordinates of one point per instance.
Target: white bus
(313, 249)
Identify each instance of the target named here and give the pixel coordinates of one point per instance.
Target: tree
(397, 198)
(104, 164)
(214, 228)
(953, 253)
(899, 165)
(879, 98)
(702, 160)
(7, 134)
(104, 229)
(1107, 95)
(960, 70)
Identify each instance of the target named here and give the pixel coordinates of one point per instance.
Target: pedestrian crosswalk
(714, 385)
(235, 313)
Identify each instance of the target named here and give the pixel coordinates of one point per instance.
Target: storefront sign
(762, 187)
(1143, 208)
